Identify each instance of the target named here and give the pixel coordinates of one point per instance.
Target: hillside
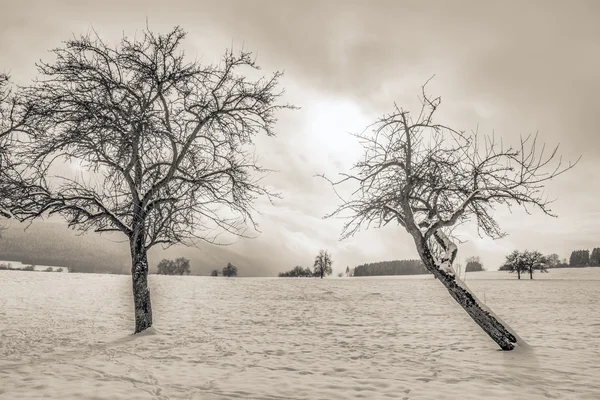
(52, 243)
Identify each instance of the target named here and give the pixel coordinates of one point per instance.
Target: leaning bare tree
(429, 178)
(164, 146)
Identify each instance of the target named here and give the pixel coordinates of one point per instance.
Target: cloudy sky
(512, 67)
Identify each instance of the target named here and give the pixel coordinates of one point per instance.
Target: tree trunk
(530, 273)
(519, 273)
(322, 274)
(483, 318)
(141, 292)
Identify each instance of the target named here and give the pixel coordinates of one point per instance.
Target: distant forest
(583, 258)
(396, 267)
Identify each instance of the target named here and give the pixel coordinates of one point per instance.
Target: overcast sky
(512, 67)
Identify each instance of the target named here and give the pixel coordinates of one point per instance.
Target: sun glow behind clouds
(327, 139)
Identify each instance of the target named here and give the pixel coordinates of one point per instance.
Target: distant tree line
(396, 267)
(9, 267)
(578, 258)
(530, 261)
(321, 268)
(298, 272)
(179, 266)
(228, 271)
(583, 258)
(554, 261)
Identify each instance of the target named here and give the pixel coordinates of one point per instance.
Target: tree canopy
(162, 146)
(164, 142)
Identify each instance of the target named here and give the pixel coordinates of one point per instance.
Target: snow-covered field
(66, 336)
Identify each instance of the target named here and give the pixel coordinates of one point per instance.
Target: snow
(66, 336)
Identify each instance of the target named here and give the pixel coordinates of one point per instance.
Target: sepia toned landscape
(299, 200)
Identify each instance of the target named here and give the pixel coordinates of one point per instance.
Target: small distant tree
(474, 264)
(29, 268)
(179, 266)
(230, 270)
(165, 267)
(59, 270)
(552, 260)
(214, 272)
(49, 269)
(348, 271)
(340, 275)
(534, 261)
(514, 263)
(182, 266)
(595, 257)
(322, 265)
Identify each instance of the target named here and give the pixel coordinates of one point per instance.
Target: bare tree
(230, 270)
(12, 117)
(527, 261)
(514, 263)
(534, 260)
(179, 266)
(553, 260)
(429, 178)
(323, 264)
(165, 145)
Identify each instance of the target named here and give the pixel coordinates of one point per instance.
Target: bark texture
(141, 292)
(495, 330)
